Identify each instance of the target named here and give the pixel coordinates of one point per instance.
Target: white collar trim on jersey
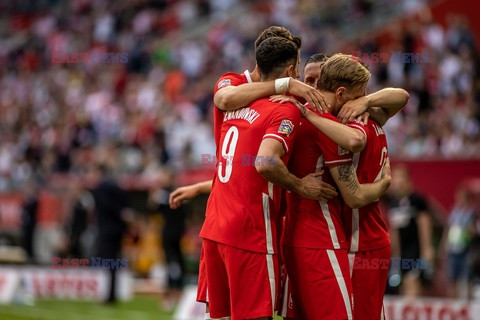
(247, 74)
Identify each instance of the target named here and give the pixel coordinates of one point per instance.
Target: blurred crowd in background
(153, 114)
(155, 110)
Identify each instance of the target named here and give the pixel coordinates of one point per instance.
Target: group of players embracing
(289, 234)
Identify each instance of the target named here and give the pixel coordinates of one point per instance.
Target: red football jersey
(228, 79)
(311, 223)
(243, 207)
(366, 228)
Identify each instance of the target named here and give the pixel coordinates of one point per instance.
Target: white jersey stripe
(249, 77)
(268, 225)
(355, 230)
(331, 226)
(326, 211)
(270, 251)
(355, 217)
(277, 136)
(338, 161)
(271, 278)
(341, 282)
(351, 261)
(285, 298)
(319, 166)
(359, 128)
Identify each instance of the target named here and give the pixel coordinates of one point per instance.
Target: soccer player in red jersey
(311, 72)
(239, 231)
(381, 105)
(367, 232)
(315, 242)
(370, 249)
(233, 91)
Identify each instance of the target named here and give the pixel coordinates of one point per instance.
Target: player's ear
(340, 93)
(290, 71)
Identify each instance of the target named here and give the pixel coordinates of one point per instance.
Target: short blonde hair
(343, 70)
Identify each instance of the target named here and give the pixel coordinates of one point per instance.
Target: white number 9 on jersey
(228, 150)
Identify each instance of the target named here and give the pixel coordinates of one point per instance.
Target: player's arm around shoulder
(235, 97)
(278, 143)
(381, 105)
(232, 96)
(349, 138)
(386, 103)
(358, 195)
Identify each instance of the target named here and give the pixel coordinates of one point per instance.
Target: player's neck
(330, 97)
(255, 75)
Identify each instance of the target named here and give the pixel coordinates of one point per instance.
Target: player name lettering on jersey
(246, 114)
(378, 130)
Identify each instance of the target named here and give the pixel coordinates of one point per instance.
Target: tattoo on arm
(346, 174)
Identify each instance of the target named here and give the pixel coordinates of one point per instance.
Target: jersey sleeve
(333, 153)
(359, 126)
(229, 79)
(283, 124)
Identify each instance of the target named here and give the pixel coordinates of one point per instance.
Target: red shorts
(202, 279)
(369, 280)
(320, 282)
(241, 284)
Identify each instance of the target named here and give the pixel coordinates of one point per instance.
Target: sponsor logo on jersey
(286, 127)
(224, 83)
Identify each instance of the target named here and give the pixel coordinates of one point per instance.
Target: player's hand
(314, 188)
(314, 98)
(280, 98)
(387, 172)
(363, 118)
(352, 109)
(180, 194)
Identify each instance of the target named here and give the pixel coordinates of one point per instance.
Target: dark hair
(274, 55)
(277, 31)
(317, 57)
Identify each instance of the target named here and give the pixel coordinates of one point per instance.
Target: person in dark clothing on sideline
(172, 233)
(83, 203)
(29, 217)
(112, 213)
(411, 228)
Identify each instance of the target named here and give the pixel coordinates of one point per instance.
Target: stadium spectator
(56, 117)
(462, 229)
(102, 103)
